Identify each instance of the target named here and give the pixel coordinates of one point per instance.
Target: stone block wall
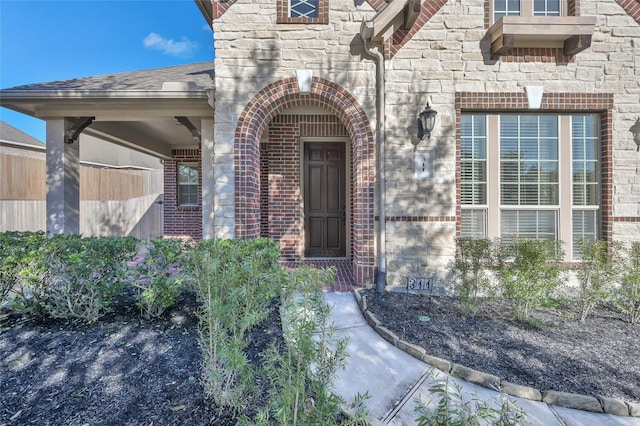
(253, 51)
(447, 56)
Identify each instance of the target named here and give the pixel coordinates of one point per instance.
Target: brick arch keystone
(253, 121)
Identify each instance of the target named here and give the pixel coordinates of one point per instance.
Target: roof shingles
(201, 74)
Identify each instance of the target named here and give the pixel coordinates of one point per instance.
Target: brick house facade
(470, 65)
(307, 130)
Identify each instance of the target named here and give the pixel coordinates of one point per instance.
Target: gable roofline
(199, 77)
(14, 136)
(206, 8)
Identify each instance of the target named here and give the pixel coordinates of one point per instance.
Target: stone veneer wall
(445, 57)
(447, 60)
(256, 59)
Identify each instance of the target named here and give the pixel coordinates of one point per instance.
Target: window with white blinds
(530, 176)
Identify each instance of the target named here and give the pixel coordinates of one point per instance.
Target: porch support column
(208, 178)
(63, 180)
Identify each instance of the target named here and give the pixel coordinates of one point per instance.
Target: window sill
(571, 33)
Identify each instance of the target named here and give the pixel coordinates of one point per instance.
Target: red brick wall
(181, 221)
(632, 7)
(280, 183)
(283, 197)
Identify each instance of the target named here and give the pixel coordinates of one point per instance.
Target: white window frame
(180, 185)
(565, 207)
(527, 9)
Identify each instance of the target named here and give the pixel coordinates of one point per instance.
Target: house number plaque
(419, 283)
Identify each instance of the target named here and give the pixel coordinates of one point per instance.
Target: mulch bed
(552, 351)
(120, 370)
(123, 370)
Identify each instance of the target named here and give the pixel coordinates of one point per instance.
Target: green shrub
(235, 281)
(303, 372)
(529, 273)
(78, 277)
(470, 267)
(18, 250)
(627, 299)
(157, 281)
(597, 273)
(454, 409)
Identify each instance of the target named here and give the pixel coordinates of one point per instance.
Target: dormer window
(303, 11)
(303, 8)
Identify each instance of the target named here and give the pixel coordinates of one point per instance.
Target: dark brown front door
(324, 199)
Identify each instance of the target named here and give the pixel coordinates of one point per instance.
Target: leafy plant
(597, 273)
(473, 258)
(454, 409)
(17, 252)
(79, 277)
(303, 372)
(627, 299)
(529, 273)
(157, 281)
(235, 280)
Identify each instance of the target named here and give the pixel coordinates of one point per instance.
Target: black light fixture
(426, 121)
(635, 131)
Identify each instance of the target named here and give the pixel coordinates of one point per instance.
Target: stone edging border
(595, 404)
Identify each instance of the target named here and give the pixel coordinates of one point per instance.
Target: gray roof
(201, 74)
(9, 133)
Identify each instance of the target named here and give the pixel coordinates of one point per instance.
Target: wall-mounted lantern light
(426, 121)
(635, 131)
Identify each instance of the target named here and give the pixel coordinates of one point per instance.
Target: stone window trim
(569, 33)
(283, 17)
(569, 103)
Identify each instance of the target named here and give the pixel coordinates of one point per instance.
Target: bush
(79, 277)
(472, 261)
(235, 280)
(597, 273)
(627, 299)
(157, 281)
(453, 409)
(302, 373)
(529, 273)
(18, 251)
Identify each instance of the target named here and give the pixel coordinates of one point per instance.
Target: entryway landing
(344, 281)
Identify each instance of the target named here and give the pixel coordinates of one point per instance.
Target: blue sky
(48, 40)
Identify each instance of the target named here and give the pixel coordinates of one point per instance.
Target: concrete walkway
(394, 379)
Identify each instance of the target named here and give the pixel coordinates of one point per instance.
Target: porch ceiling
(146, 123)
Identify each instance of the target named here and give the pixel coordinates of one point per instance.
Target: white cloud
(184, 47)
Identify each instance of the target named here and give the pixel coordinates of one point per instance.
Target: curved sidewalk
(395, 379)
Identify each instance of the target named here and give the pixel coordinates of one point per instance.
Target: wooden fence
(112, 201)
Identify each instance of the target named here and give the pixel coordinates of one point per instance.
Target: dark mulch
(553, 351)
(121, 370)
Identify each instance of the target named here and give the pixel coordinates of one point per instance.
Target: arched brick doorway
(253, 121)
